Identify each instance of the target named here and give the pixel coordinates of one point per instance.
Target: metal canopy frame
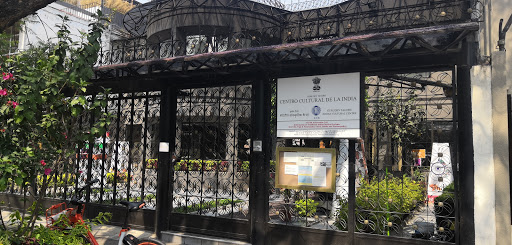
(342, 52)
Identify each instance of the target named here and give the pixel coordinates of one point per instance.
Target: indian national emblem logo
(316, 110)
(316, 81)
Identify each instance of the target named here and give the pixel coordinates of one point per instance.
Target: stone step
(181, 238)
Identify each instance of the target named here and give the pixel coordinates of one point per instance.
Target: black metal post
(509, 113)
(259, 167)
(90, 151)
(466, 149)
(167, 137)
(351, 189)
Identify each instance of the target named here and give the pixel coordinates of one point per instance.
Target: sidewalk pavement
(109, 234)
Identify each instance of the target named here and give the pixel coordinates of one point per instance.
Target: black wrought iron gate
(210, 176)
(387, 181)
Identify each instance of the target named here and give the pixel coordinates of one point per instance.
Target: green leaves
(44, 102)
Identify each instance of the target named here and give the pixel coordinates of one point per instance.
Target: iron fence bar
(89, 155)
(187, 172)
(78, 156)
(144, 147)
(217, 168)
(455, 155)
(259, 167)
(509, 115)
(103, 156)
(167, 136)
(351, 189)
(130, 148)
(202, 155)
(466, 150)
(116, 161)
(234, 161)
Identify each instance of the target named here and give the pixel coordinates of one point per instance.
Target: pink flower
(42, 163)
(3, 92)
(47, 171)
(14, 104)
(7, 76)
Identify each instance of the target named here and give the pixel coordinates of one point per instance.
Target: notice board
(312, 169)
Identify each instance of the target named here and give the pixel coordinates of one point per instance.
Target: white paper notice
(290, 157)
(291, 169)
(305, 158)
(319, 176)
(323, 159)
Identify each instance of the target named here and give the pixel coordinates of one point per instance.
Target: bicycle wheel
(149, 241)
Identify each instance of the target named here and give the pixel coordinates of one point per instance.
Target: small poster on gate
(306, 168)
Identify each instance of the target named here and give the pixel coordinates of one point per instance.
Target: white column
(481, 96)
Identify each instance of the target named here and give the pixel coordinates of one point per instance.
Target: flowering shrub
(42, 97)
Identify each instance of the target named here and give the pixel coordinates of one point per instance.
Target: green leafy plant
(400, 118)
(306, 207)
(243, 166)
(380, 201)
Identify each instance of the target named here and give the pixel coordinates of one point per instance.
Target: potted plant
(151, 163)
(445, 213)
(306, 207)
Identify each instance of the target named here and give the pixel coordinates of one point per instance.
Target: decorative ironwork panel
(125, 159)
(216, 29)
(211, 175)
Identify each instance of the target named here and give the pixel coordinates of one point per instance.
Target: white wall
(481, 96)
(41, 27)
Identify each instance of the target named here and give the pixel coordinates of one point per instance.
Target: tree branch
(13, 10)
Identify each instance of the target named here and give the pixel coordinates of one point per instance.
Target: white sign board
(440, 174)
(326, 106)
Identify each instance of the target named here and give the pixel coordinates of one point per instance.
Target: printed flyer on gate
(324, 106)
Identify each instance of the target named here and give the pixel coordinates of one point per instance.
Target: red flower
(2, 130)
(14, 104)
(3, 92)
(47, 171)
(42, 163)
(7, 76)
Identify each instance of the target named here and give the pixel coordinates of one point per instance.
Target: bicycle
(75, 216)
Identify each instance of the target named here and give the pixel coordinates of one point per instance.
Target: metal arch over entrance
(405, 45)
